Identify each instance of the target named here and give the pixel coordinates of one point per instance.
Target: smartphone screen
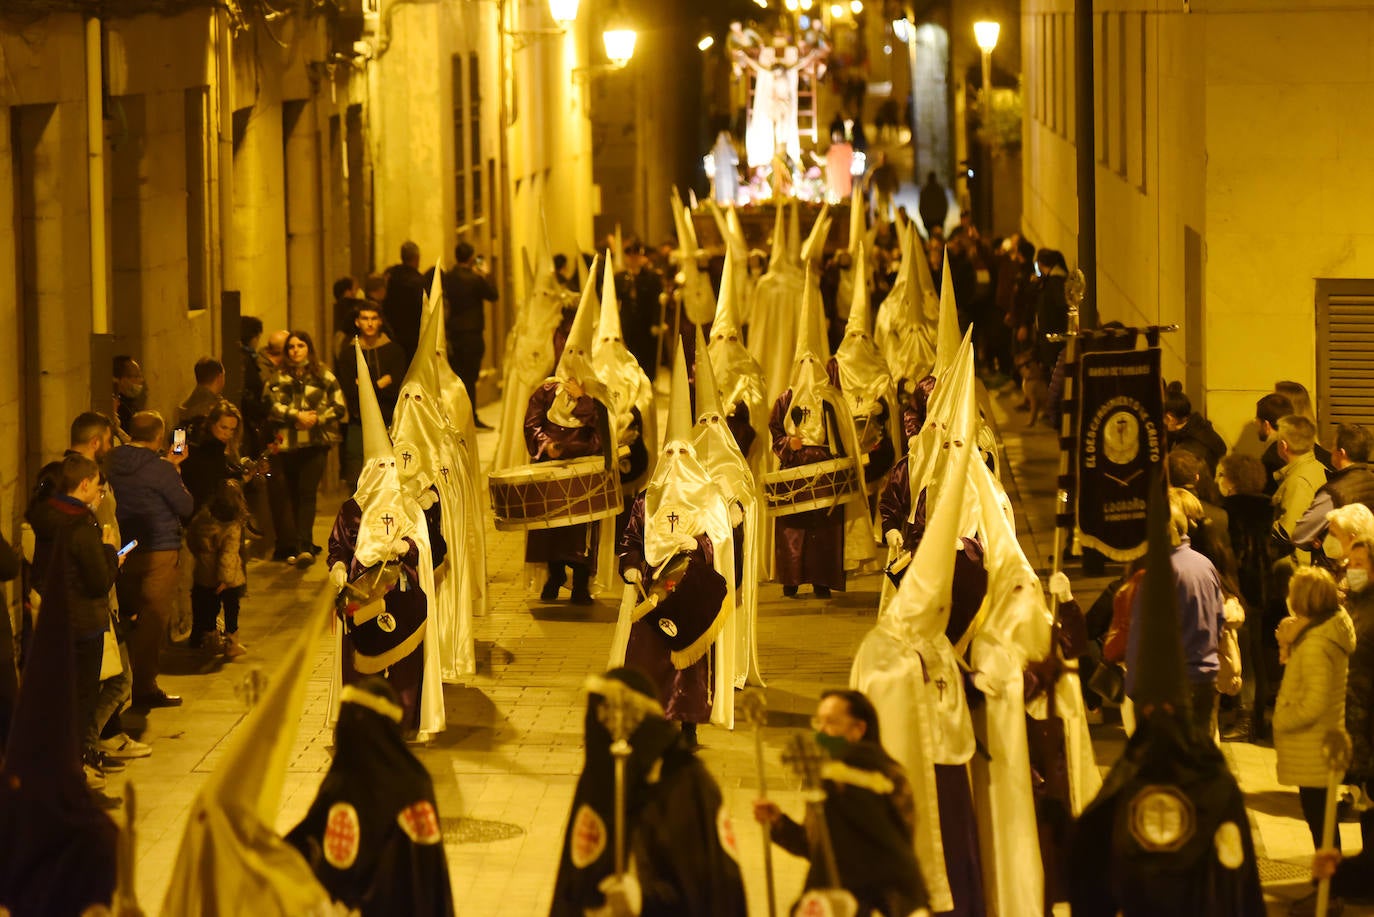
(179, 441)
(127, 548)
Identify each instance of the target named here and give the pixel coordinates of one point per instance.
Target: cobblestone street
(506, 767)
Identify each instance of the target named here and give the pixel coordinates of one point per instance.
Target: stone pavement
(506, 767)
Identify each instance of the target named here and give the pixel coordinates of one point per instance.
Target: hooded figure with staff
(648, 832)
(677, 553)
(383, 551)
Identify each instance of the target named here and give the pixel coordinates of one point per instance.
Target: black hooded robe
(372, 834)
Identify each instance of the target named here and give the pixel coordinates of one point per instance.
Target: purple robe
(406, 606)
(809, 547)
(572, 544)
(684, 693)
(959, 834)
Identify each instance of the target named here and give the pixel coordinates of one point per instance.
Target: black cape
(57, 847)
(1167, 834)
(682, 843)
(386, 856)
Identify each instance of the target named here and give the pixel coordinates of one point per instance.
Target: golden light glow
(836, 11)
(706, 42)
(620, 45)
(985, 33)
(856, 6)
(564, 12)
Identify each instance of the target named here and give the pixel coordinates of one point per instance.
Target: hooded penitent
(231, 859)
(57, 847)
(431, 434)
(953, 410)
(908, 668)
(736, 258)
(626, 384)
(901, 331)
(864, 377)
(386, 625)
(683, 515)
(528, 357)
(739, 378)
(1168, 833)
(680, 842)
(1012, 629)
(947, 335)
(372, 834)
(774, 320)
(727, 467)
(695, 285)
(575, 365)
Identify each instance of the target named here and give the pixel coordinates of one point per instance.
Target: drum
(554, 494)
(820, 485)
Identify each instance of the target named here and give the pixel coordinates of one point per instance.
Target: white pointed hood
(698, 301)
(386, 510)
(680, 502)
(777, 255)
(626, 383)
(814, 246)
(738, 375)
(920, 611)
(576, 361)
(794, 239)
(864, 376)
(947, 337)
(857, 221)
(1017, 615)
(809, 382)
(925, 301)
(952, 418)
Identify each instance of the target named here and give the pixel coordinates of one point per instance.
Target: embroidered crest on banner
(588, 840)
(421, 823)
(341, 835)
(1230, 849)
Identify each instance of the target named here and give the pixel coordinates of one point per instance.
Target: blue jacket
(153, 503)
(1200, 603)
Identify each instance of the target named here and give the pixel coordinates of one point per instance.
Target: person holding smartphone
(66, 521)
(154, 504)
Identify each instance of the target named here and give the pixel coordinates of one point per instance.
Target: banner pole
(1074, 291)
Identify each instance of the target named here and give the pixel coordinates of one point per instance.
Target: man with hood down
(680, 849)
(372, 834)
(1168, 832)
(382, 554)
(678, 553)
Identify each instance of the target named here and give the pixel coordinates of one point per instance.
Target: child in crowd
(215, 539)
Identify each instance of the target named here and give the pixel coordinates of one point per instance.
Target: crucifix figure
(672, 521)
(387, 520)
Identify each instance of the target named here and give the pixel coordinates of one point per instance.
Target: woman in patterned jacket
(305, 407)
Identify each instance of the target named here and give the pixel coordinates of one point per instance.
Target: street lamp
(985, 32)
(564, 12)
(619, 41)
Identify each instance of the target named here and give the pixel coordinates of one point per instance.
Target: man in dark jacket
(405, 299)
(933, 204)
(1190, 431)
(153, 505)
(66, 519)
(467, 290)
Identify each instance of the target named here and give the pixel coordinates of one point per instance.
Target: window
(1345, 352)
(468, 200)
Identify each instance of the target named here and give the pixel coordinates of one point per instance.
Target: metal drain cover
(458, 830)
(1280, 871)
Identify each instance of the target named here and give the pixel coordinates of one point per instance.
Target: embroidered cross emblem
(387, 520)
(672, 521)
(940, 685)
(406, 457)
(805, 414)
(444, 472)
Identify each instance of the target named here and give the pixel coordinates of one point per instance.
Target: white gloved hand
(632, 576)
(893, 539)
(1060, 589)
(427, 499)
(338, 575)
(736, 514)
(624, 898)
(400, 547)
(983, 682)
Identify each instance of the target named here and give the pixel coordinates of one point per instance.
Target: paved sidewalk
(506, 766)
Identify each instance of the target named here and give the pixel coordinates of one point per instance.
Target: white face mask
(1357, 579)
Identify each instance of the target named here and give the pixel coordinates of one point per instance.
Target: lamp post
(985, 32)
